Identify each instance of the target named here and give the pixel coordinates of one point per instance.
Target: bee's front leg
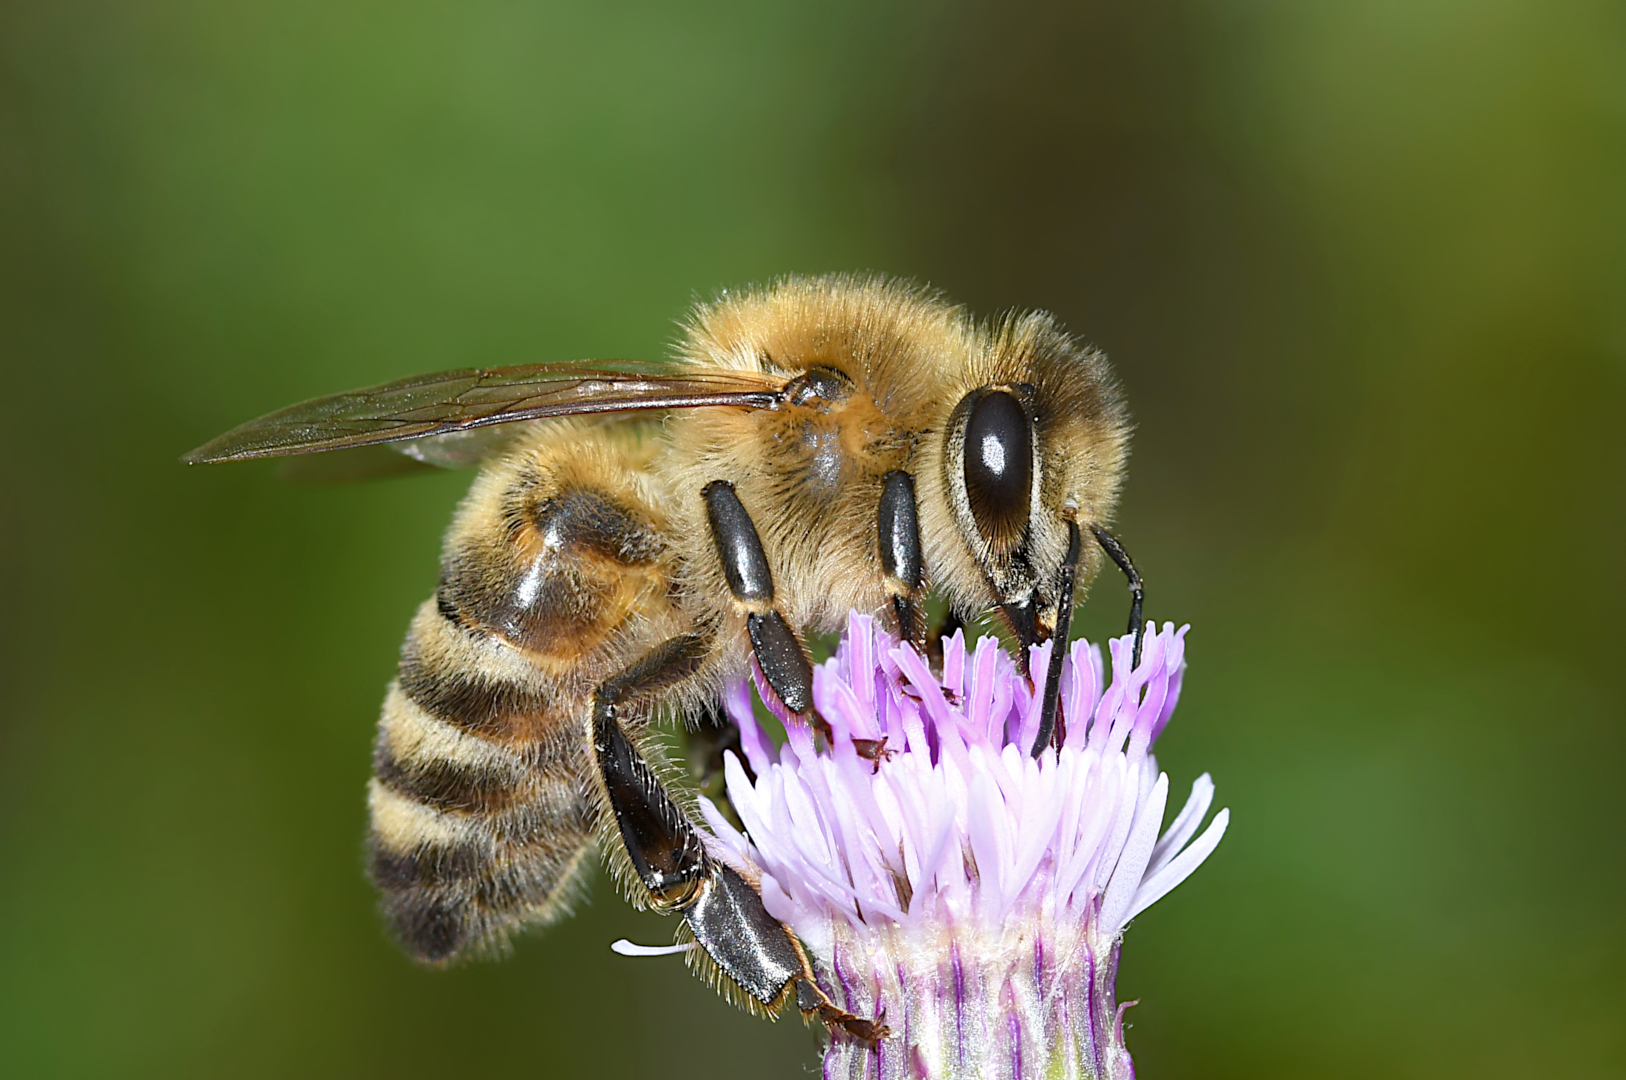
(1051, 729)
(1137, 590)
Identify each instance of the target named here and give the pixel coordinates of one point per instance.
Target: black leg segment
(752, 950)
(750, 946)
(665, 850)
(778, 650)
(745, 565)
(898, 530)
(783, 660)
(724, 913)
(1137, 593)
(1023, 618)
(1050, 729)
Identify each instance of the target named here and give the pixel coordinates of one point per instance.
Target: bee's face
(1036, 442)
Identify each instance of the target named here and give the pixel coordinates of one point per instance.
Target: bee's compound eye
(999, 465)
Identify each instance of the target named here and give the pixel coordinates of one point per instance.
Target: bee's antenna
(1049, 730)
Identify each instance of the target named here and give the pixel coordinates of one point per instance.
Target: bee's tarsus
(1023, 618)
(813, 1001)
(873, 750)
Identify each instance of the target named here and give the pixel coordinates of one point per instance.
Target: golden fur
(588, 544)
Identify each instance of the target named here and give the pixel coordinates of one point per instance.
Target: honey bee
(819, 445)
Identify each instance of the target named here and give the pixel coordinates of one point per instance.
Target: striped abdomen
(481, 816)
(473, 828)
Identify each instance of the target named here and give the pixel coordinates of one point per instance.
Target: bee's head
(1035, 440)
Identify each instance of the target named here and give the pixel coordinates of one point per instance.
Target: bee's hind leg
(751, 949)
(664, 848)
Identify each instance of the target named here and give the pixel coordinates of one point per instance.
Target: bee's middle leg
(778, 650)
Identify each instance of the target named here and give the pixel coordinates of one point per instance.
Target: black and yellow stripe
(482, 811)
(477, 824)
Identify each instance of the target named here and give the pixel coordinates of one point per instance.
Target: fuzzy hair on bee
(812, 476)
(647, 532)
(480, 798)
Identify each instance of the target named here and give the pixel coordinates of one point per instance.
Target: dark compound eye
(999, 466)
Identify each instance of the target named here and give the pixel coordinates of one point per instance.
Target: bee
(643, 532)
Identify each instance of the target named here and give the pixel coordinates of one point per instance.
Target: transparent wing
(466, 448)
(409, 457)
(464, 401)
(354, 465)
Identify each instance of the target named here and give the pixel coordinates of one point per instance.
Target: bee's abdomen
(553, 578)
(479, 821)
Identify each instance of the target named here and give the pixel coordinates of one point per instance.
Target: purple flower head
(944, 880)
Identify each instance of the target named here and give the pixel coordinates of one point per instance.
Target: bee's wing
(456, 402)
(463, 449)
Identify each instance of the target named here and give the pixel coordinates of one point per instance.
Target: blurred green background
(1362, 266)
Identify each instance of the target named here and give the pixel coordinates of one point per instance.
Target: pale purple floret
(974, 894)
(833, 834)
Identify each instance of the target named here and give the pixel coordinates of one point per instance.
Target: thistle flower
(971, 897)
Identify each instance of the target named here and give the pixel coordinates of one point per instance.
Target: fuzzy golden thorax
(904, 361)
